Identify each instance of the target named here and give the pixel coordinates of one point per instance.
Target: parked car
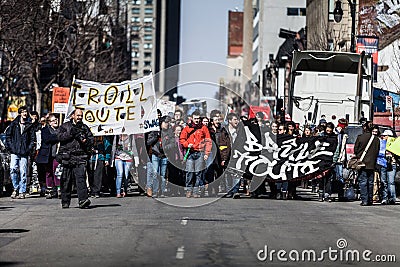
(5, 180)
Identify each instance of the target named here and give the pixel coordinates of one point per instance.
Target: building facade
(141, 35)
(271, 16)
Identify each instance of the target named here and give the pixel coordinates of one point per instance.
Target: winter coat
(48, 143)
(172, 147)
(71, 146)
(17, 143)
(156, 142)
(372, 153)
(198, 136)
(222, 139)
(125, 150)
(340, 153)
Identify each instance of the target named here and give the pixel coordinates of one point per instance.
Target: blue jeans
(340, 180)
(150, 183)
(388, 186)
(194, 171)
(366, 182)
(339, 172)
(123, 168)
(282, 187)
(18, 172)
(159, 166)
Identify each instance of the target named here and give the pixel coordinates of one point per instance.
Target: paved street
(139, 231)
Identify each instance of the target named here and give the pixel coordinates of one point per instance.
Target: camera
(80, 137)
(78, 132)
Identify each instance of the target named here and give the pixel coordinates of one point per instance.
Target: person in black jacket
(76, 143)
(366, 174)
(46, 157)
(159, 160)
(20, 142)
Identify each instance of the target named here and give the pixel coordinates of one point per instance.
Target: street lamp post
(338, 15)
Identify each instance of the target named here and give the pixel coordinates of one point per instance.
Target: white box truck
(329, 83)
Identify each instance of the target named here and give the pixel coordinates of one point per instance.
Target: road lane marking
(180, 252)
(184, 220)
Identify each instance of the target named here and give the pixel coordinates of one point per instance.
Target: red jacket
(200, 138)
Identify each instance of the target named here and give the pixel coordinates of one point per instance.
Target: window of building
(147, 46)
(135, 28)
(135, 54)
(147, 63)
(237, 72)
(331, 46)
(135, 19)
(148, 37)
(148, 19)
(135, 2)
(255, 32)
(331, 6)
(147, 54)
(148, 29)
(135, 45)
(255, 56)
(135, 63)
(146, 72)
(135, 10)
(148, 11)
(135, 72)
(296, 11)
(149, 2)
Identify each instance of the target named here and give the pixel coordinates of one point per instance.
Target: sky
(204, 37)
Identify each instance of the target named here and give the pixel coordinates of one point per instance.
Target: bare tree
(82, 38)
(327, 37)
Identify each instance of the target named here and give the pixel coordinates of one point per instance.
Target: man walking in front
(195, 137)
(367, 144)
(20, 141)
(76, 143)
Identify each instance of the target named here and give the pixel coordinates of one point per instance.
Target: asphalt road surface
(140, 231)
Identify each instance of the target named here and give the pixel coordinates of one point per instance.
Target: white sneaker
(14, 194)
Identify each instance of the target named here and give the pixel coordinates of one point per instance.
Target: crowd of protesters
(188, 156)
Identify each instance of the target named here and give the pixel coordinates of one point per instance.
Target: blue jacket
(381, 160)
(17, 143)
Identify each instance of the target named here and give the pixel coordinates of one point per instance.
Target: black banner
(282, 157)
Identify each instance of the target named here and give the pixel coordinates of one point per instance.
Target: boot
(321, 196)
(284, 195)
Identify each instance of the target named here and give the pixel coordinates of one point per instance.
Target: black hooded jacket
(17, 143)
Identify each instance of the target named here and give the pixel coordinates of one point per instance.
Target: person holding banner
(174, 151)
(157, 141)
(76, 142)
(340, 157)
(124, 153)
(99, 160)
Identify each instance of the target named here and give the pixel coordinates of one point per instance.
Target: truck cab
(331, 84)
